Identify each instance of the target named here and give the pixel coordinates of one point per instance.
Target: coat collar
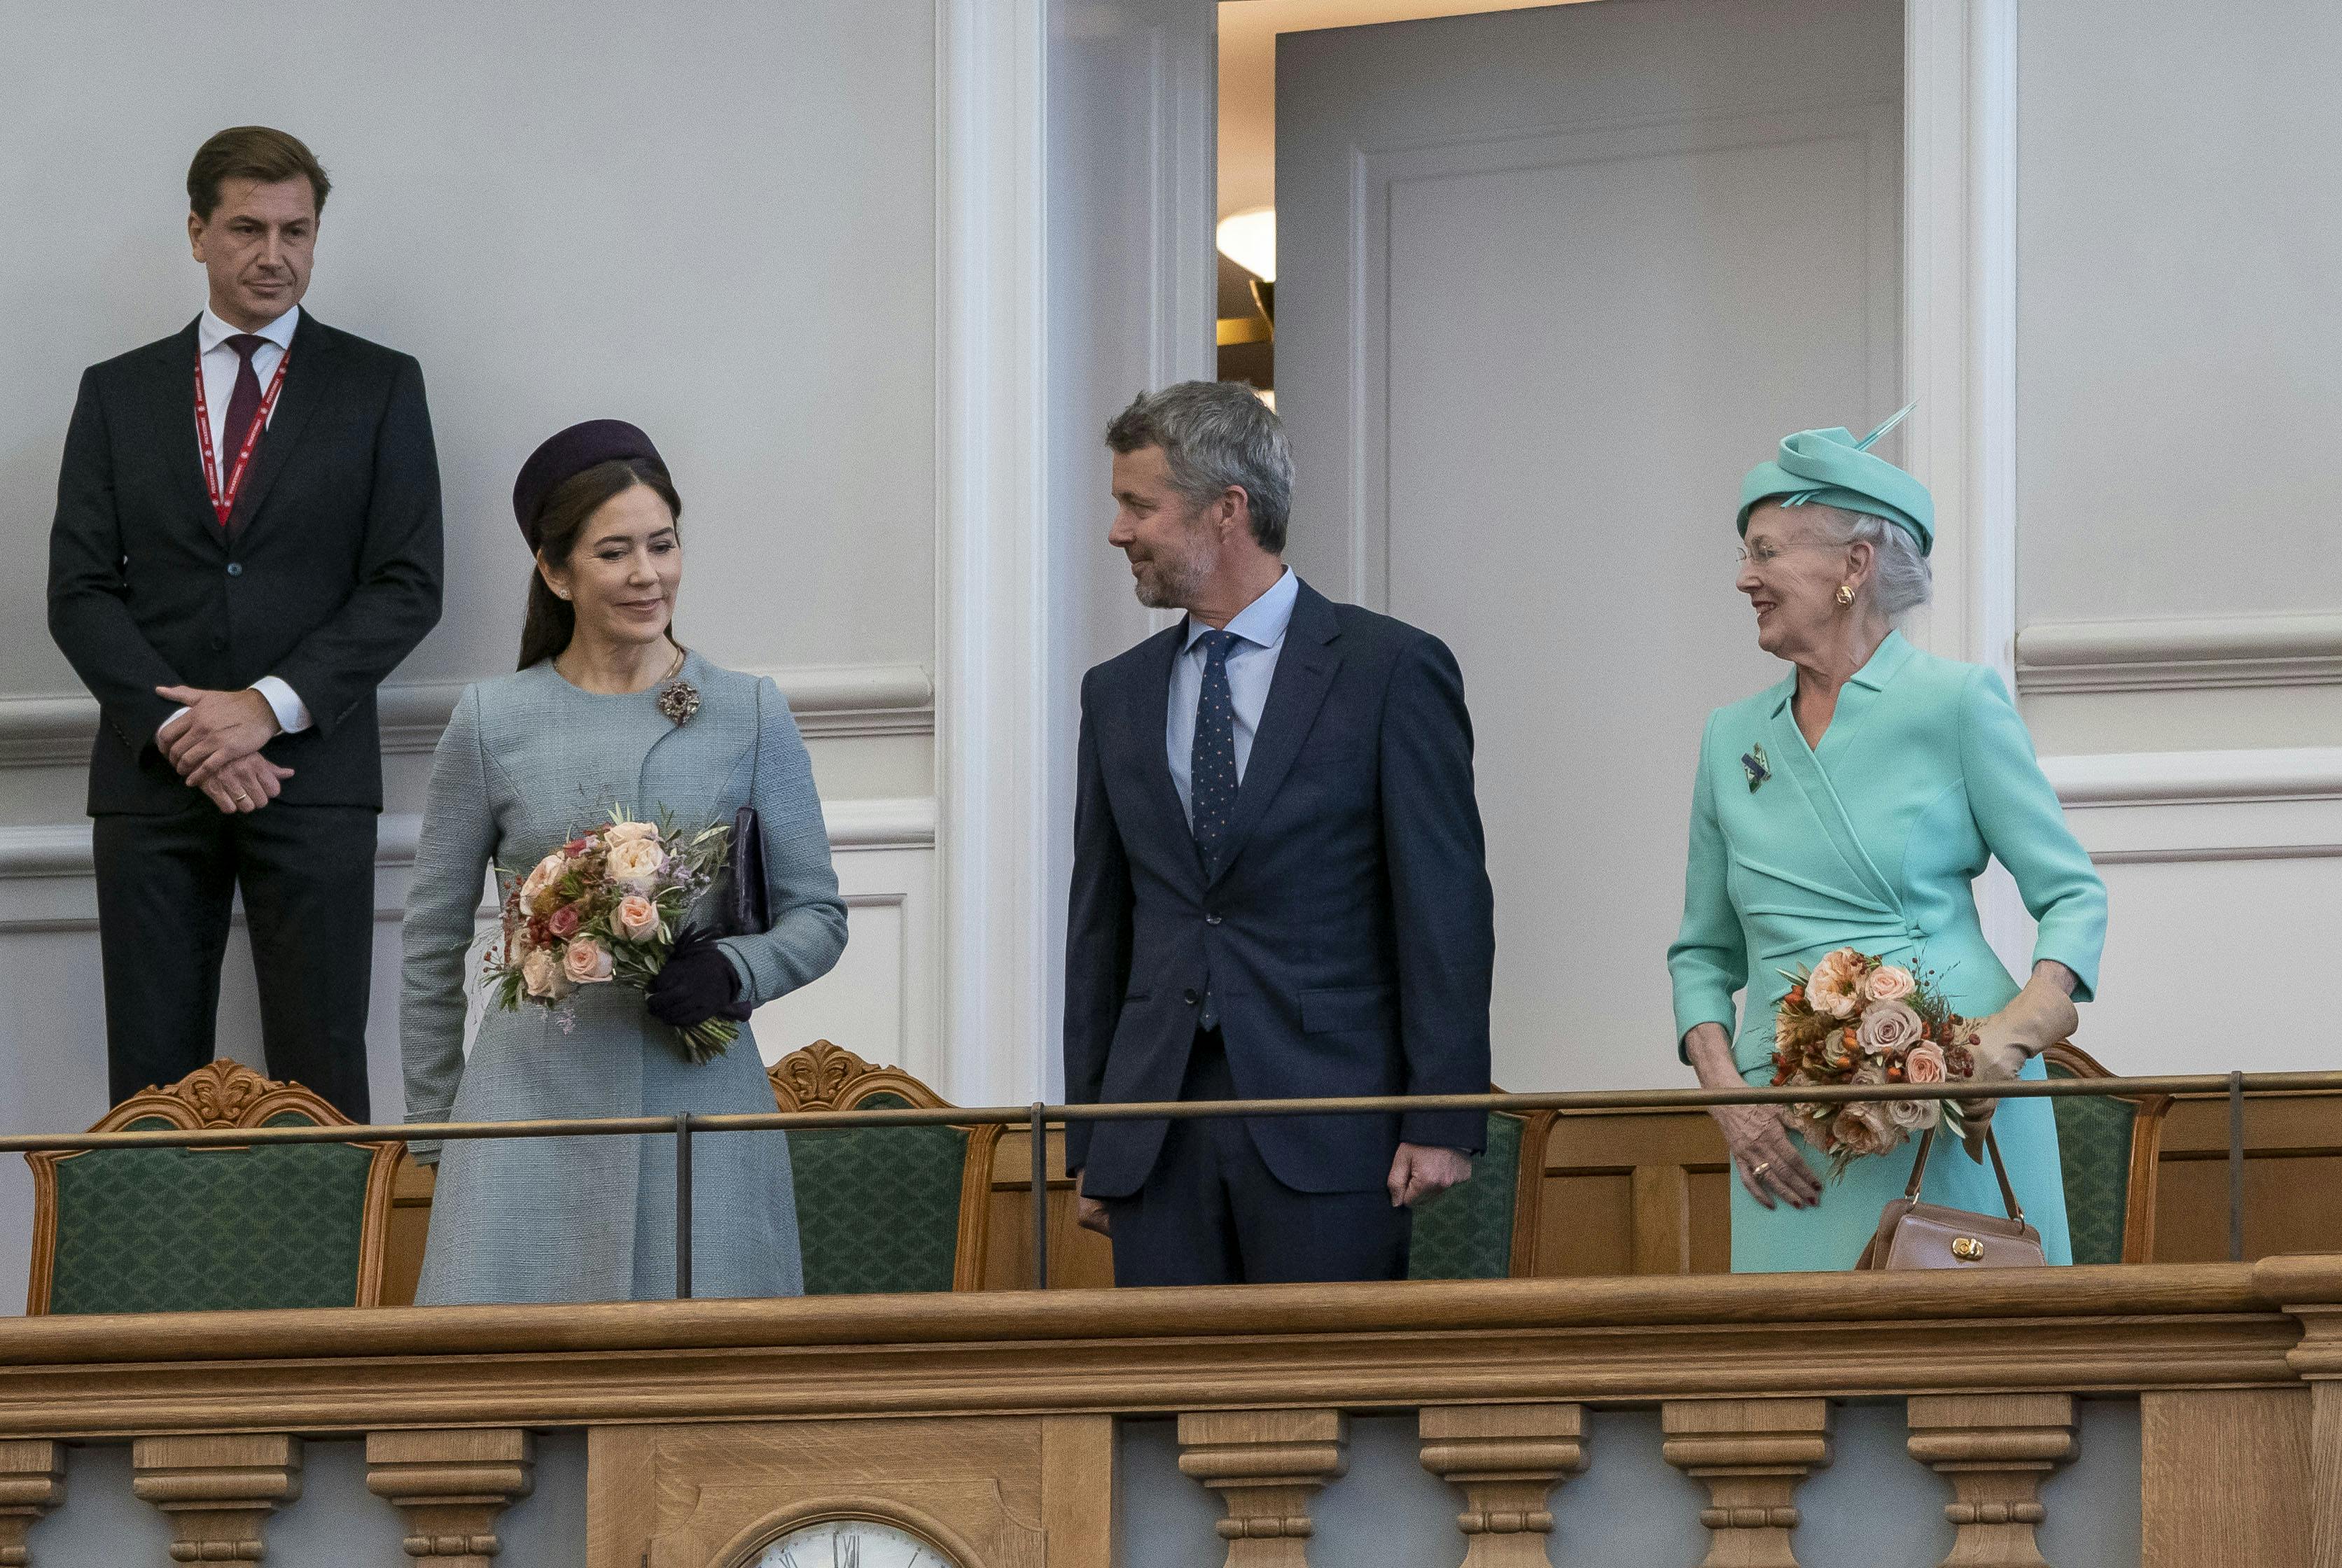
(1877, 673)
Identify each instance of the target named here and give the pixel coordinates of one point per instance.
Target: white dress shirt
(1260, 627)
(220, 364)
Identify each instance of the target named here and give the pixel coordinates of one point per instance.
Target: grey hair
(1905, 581)
(1215, 434)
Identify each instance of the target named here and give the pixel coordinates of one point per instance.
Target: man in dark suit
(1279, 888)
(246, 543)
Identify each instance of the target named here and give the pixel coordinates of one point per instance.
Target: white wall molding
(2183, 778)
(2152, 807)
(1959, 340)
(2200, 654)
(62, 848)
(830, 701)
(993, 567)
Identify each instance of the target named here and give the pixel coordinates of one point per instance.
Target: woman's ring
(1758, 1171)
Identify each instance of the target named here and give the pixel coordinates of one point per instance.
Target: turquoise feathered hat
(1831, 468)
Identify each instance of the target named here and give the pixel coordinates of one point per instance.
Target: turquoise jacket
(1872, 841)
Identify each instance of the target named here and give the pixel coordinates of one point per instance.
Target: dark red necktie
(243, 404)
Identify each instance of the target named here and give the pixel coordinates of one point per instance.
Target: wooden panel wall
(2293, 1178)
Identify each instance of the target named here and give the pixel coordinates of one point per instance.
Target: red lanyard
(224, 500)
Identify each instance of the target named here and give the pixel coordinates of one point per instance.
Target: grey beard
(1171, 587)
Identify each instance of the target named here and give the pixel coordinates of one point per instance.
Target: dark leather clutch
(741, 909)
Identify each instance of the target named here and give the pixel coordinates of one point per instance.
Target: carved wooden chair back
(1487, 1228)
(191, 1230)
(2109, 1147)
(883, 1209)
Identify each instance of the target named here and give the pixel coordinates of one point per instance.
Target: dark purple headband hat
(567, 455)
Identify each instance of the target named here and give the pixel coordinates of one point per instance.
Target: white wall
(718, 223)
(2179, 357)
(2178, 360)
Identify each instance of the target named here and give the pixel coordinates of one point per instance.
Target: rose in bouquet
(605, 909)
(1854, 1019)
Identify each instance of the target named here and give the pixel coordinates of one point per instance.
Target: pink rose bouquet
(605, 909)
(1853, 1019)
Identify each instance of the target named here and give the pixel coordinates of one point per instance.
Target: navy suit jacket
(330, 579)
(1348, 938)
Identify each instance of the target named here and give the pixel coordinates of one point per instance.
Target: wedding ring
(1759, 1170)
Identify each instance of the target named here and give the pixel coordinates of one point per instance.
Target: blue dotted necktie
(1212, 764)
(1212, 772)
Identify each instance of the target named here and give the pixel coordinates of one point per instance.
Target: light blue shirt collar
(1263, 622)
(211, 331)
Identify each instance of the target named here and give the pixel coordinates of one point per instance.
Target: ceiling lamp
(1249, 240)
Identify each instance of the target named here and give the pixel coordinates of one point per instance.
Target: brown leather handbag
(1917, 1235)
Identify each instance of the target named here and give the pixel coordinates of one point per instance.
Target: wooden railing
(985, 1421)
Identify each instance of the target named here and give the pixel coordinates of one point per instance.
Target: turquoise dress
(1872, 841)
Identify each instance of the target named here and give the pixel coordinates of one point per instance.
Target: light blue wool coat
(529, 761)
(1871, 841)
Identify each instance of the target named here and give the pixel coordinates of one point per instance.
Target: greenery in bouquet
(1853, 1019)
(603, 909)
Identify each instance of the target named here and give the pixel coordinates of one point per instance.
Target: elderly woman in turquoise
(1853, 804)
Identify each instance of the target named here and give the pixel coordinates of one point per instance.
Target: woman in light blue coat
(606, 709)
(1853, 805)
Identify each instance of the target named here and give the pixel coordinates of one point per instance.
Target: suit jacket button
(218, 642)
(235, 568)
(1189, 997)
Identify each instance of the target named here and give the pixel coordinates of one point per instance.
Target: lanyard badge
(223, 496)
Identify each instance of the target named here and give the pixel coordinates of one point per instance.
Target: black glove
(696, 984)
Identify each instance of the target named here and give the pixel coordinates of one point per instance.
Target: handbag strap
(2000, 1170)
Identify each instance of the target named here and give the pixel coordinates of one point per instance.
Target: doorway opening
(1246, 217)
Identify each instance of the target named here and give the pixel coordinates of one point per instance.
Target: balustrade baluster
(451, 1486)
(1506, 1459)
(1995, 1450)
(32, 1482)
(218, 1491)
(1752, 1454)
(1266, 1465)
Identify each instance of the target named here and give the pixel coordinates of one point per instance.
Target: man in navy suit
(1279, 885)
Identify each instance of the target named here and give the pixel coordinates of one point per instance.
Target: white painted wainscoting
(2224, 869)
(830, 702)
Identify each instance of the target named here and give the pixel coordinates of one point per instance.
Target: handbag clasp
(1968, 1249)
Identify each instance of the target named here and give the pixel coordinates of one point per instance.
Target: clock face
(852, 1544)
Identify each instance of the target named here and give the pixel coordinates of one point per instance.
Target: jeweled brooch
(1752, 763)
(678, 700)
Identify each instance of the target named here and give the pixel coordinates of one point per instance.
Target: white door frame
(998, 598)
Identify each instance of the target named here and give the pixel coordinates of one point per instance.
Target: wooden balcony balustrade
(985, 1421)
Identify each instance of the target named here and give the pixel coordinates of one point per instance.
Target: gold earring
(1846, 593)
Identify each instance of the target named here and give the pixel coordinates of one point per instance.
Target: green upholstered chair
(2109, 1146)
(883, 1209)
(1487, 1228)
(144, 1230)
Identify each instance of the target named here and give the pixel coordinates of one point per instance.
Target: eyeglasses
(1766, 552)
